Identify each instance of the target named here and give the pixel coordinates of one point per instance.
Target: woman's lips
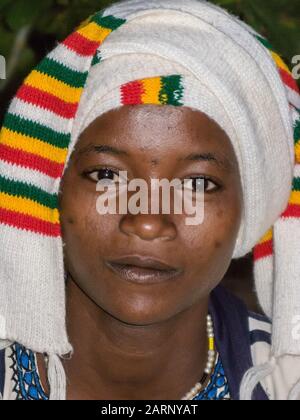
(142, 270)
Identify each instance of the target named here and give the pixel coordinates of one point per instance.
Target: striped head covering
(163, 52)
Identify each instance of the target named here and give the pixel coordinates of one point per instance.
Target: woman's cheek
(213, 240)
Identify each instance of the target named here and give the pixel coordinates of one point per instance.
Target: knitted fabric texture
(162, 53)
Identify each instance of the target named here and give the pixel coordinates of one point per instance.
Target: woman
(127, 305)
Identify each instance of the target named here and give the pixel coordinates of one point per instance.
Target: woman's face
(150, 141)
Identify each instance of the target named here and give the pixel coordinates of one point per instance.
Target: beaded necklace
(209, 364)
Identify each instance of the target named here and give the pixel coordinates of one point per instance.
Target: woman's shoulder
(247, 336)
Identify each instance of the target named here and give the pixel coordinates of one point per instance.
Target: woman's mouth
(142, 270)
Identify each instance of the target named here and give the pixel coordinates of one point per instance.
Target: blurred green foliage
(30, 28)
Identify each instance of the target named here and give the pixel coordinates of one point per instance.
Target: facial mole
(218, 244)
(70, 220)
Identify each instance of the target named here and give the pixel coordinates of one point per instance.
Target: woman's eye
(200, 184)
(103, 174)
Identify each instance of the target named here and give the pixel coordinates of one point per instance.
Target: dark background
(30, 28)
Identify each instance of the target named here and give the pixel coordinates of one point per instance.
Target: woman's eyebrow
(193, 157)
(210, 157)
(94, 148)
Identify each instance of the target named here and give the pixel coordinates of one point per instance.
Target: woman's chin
(138, 317)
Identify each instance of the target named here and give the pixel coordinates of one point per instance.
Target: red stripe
(289, 80)
(293, 210)
(22, 221)
(131, 93)
(263, 250)
(80, 44)
(29, 160)
(43, 99)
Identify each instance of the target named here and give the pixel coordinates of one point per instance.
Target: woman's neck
(114, 360)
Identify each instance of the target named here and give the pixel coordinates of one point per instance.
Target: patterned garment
(217, 388)
(25, 376)
(26, 384)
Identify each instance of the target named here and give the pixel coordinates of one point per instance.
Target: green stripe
(109, 22)
(38, 131)
(265, 42)
(297, 131)
(172, 90)
(296, 184)
(20, 189)
(96, 59)
(72, 78)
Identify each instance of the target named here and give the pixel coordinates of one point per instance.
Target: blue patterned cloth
(27, 385)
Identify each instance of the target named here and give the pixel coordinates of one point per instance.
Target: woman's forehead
(154, 120)
(157, 132)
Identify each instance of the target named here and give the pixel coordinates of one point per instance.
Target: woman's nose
(149, 227)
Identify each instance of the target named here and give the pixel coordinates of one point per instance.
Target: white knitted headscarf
(227, 73)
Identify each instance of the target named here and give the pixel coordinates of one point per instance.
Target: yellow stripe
(267, 237)
(280, 63)
(295, 197)
(152, 87)
(297, 149)
(211, 344)
(54, 87)
(84, 23)
(29, 207)
(32, 145)
(94, 32)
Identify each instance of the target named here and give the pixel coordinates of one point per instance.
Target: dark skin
(134, 341)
